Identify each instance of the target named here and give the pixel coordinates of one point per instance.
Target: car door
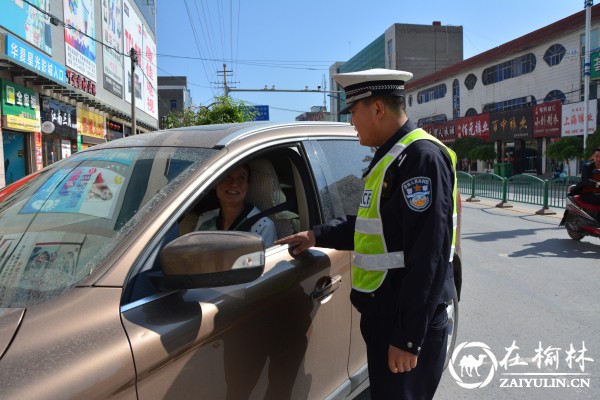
(285, 335)
(339, 164)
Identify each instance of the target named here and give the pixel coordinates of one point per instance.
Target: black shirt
(411, 294)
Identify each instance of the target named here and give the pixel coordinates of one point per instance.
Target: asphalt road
(530, 309)
(526, 284)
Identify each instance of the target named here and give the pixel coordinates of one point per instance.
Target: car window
(57, 227)
(343, 162)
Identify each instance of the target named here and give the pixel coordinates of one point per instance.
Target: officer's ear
(379, 107)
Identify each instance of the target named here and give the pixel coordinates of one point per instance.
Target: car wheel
(452, 310)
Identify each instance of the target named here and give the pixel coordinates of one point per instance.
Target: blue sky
(291, 45)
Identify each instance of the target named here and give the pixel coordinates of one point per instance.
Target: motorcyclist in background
(590, 179)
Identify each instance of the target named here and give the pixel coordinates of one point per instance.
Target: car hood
(10, 319)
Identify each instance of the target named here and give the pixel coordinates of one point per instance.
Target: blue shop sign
(35, 60)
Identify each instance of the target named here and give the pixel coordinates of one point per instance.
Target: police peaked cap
(373, 82)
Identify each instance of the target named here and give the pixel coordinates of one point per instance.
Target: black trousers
(421, 382)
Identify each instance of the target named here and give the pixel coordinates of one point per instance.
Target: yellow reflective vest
(371, 258)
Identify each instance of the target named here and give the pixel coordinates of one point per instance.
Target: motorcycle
(580, 218)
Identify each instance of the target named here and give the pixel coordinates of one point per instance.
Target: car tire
(452, 310)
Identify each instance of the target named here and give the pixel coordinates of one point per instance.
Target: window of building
(432, 93)
(432, 120)
(512, 104)
(555, 95)
(509, 69)
(554, 55)
(455, 99)
(470, 81)
(470, 112)
(173, 104)
(410, 100)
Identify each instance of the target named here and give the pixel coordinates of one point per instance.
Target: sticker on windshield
(417, 193)
(83, 190)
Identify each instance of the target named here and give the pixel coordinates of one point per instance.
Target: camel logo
(476, 360)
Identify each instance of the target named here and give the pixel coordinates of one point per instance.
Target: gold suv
(107, 290)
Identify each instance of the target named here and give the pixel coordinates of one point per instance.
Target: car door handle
(325, 288)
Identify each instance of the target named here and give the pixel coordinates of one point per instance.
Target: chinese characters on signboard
(81, 82)
(546, 119)
(473, 126)
(33, 59)
(90, 124)
(573, 118)
(512, 124)
(62, 116)
(19, 106)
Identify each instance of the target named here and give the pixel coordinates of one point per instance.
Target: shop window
(173, 104)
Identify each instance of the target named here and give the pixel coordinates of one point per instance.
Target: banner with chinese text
(547, 118)
(19, 108)
(80, 35)
(573, 118)
(90, 124)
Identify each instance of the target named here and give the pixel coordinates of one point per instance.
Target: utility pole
(226, 88)
(133, 56)
(586, 69)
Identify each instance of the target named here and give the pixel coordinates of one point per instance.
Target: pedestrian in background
(403, 239)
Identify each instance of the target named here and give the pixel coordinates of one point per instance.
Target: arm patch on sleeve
(417, 193)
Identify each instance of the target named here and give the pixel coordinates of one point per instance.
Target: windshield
(57, 225)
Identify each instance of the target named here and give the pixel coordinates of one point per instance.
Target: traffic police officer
(403, 239)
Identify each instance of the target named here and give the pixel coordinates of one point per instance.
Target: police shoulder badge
(417, 193)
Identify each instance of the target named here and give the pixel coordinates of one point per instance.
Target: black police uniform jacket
(415, 294)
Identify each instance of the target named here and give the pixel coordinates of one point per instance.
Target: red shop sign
(81, 82)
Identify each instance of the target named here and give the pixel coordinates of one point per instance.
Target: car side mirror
(210, 259)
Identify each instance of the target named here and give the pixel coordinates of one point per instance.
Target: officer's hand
(299, 242)
(400, 360)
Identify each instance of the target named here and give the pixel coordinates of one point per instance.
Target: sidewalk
(523, 208)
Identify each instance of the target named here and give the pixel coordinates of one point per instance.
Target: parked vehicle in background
(106, 290)
(581, 219)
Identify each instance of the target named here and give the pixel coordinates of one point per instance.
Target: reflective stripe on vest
(371, 259)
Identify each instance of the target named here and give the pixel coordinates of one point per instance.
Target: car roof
(222, 135)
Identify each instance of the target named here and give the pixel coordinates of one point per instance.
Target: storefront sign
(27, 21)
(39, 158)
(19, 107)
(512, 124)
(448, 131)
(115, 130)
(81, 82)
(80, 44)
(474, 126)
(547, 119)
(58, 118)
(573, 118)
(112, 34)
(444, 131)
(34, 60)
(90, 125)
(595, 65)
